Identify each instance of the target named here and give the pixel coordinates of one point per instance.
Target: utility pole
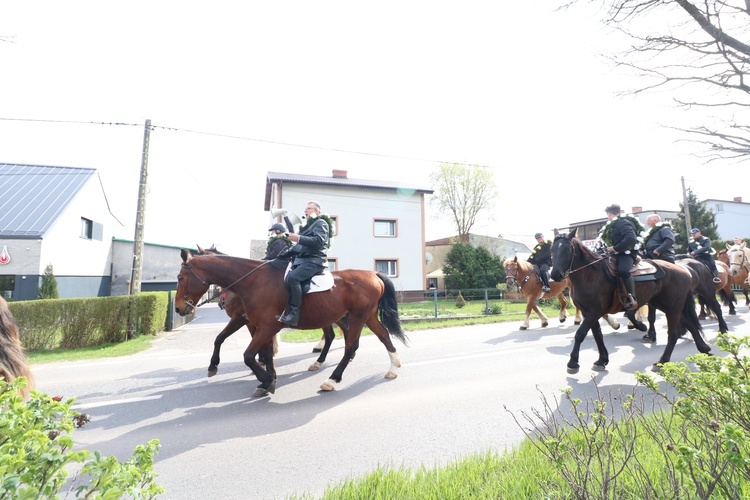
(687, 209)
(135, 277)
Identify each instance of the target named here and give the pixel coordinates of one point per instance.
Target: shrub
(460, 302)
(36, 452)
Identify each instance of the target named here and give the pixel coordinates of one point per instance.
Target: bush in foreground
(36, 453)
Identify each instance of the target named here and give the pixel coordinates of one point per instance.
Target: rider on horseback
(700, 248)
(309, 258)
(621, 239)
(541, 257)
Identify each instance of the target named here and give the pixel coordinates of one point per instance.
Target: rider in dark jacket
(700, 248)
(622, 238)
(659, 243)
(277, 242)
(309, 258)
(541, 257)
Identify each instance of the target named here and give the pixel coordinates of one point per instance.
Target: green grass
(133, 346)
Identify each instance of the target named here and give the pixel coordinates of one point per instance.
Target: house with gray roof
(379, 225)
(58, 216)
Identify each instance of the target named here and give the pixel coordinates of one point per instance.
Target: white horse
(739, 259)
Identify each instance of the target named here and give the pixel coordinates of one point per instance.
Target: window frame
(392, 225)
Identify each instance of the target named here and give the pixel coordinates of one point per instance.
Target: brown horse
(232, 305)
(594, 289)
(521, 274)
(739, 268)
(12, 358)
(369, 298)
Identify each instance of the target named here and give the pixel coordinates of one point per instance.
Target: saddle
(642, 270)
(318, 283)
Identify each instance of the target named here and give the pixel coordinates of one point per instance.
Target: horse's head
(563, 253)
(190, 286)
(737, 258)
(511, 271)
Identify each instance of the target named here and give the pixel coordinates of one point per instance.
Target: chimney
(636, 210)
(339, 174)
(738, 199)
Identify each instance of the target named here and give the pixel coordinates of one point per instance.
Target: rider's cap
(278, 226)
(538, 235)
(695, 230)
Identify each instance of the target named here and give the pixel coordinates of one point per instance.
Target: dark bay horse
(12, 358)
(595, 292)
(369, 298)
(232, 305)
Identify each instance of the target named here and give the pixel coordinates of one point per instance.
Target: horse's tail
(388, 310)
(689, 317)
(727, 298)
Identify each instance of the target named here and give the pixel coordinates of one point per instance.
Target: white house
(732, 217)
(379, 225)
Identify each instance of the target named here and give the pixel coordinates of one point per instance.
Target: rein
(223, 290)
(572, 257)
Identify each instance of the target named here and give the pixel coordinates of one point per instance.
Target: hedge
(74, 323)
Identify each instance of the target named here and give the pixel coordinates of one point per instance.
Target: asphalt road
(456, 395)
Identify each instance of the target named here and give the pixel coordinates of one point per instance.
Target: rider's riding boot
(630, 302)
(291, 315)
(545, 286)
(716, 276)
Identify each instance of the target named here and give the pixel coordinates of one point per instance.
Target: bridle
(742, 263)
(570, 269)
(514, 277)
(189, 302)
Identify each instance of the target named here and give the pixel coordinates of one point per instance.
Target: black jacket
(276, 246)
(701, 247)
(541, 254)
(662, 241)
(623, 235)
(313, 243)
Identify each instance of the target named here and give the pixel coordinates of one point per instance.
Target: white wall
(354, 246)
(63, 246)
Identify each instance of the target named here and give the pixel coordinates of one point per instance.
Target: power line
(251, 139)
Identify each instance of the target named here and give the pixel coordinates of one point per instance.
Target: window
(335, 230)
(719, 208)
(87, 228)
(387, 267)
(385, 227)
(333, 264)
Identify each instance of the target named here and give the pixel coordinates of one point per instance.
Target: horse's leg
(747, 299)
(601, 363)
(233, 325)
(611, 321)
(563, 305)
(579, 318)
(637, 324)
(715, 307)
(328, 336)
(580, 335)
(350, 347)
(529, 305)
(532, 304)
(321, 344)
(651, 334)
(261, 339)
(702, 314)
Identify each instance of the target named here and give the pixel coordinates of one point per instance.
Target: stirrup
(717, 279)
(545, 289)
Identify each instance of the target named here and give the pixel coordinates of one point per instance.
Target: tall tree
(48, 288)
(700, 217)
(469, 267)
(694, 50)
(462, 192)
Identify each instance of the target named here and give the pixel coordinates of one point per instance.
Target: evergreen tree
(700, 217)
(469, 267)
(48, 290)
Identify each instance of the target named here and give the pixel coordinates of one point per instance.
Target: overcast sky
(384, 90)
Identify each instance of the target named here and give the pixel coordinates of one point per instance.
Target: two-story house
(379, 224)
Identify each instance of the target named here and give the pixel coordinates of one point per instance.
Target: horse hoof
(572, 370)
(616, 326)
(212, 372)
(315, 350)
(732, 313)
(544, 325)
(599, 368)
(524, 328)
(325, 386)
(702, 318)
(391, 375)
(576, 322)
(562, 320)
(272, 387)
(656, 367)
(260, 392)
(631, 327)
(641, 327)
(314, 367)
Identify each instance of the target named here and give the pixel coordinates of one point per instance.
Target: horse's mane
(526, 266)
(12, 358)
